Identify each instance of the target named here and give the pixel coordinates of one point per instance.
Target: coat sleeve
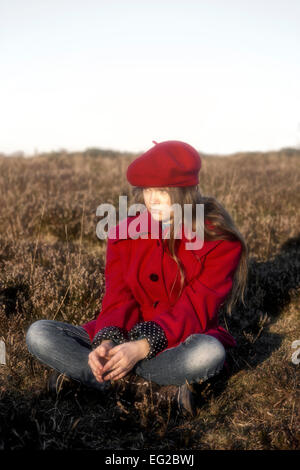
(120, 311)
(196, 311)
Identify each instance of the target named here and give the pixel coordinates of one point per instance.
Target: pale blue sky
(222, 75)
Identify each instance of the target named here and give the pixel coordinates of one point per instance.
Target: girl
(159, 315)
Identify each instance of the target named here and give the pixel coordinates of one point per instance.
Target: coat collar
(143, 226)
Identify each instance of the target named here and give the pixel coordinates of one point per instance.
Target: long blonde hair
(221, 227)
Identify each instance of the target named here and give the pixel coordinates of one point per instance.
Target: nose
(154, 198)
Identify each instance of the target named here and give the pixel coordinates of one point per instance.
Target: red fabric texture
(133, 294)
(169, 163)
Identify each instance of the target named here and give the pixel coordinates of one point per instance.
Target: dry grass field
(52, 266)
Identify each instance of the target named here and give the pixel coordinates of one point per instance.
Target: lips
(159, 208)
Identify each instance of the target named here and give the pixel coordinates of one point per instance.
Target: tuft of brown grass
(52, 266)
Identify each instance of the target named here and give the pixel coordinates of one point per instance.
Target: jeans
(65, 348)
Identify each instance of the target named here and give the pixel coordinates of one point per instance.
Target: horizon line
(63, 150)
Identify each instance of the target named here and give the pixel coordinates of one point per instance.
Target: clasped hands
(111, 362)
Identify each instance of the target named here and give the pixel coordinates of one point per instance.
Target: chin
(156, 215)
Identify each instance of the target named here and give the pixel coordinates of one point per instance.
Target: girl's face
(157, 202)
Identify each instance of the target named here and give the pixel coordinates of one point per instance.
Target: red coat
(139, 274)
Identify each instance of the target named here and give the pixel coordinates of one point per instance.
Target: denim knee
(36, 338)
(204, 352)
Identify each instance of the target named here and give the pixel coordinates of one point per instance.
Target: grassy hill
(52, 266)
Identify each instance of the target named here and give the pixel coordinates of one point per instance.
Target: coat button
(153, 277)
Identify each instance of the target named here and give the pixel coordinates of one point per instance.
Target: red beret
(169, 163)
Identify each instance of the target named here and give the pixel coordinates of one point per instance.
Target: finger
(95, 365)
(99, 378)
(114, 350)
(97, 374)
(126, 370)
(115, 373)
(101, 351)
(111, 364)
(94, 361)
(99, 359)
(120, 375)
